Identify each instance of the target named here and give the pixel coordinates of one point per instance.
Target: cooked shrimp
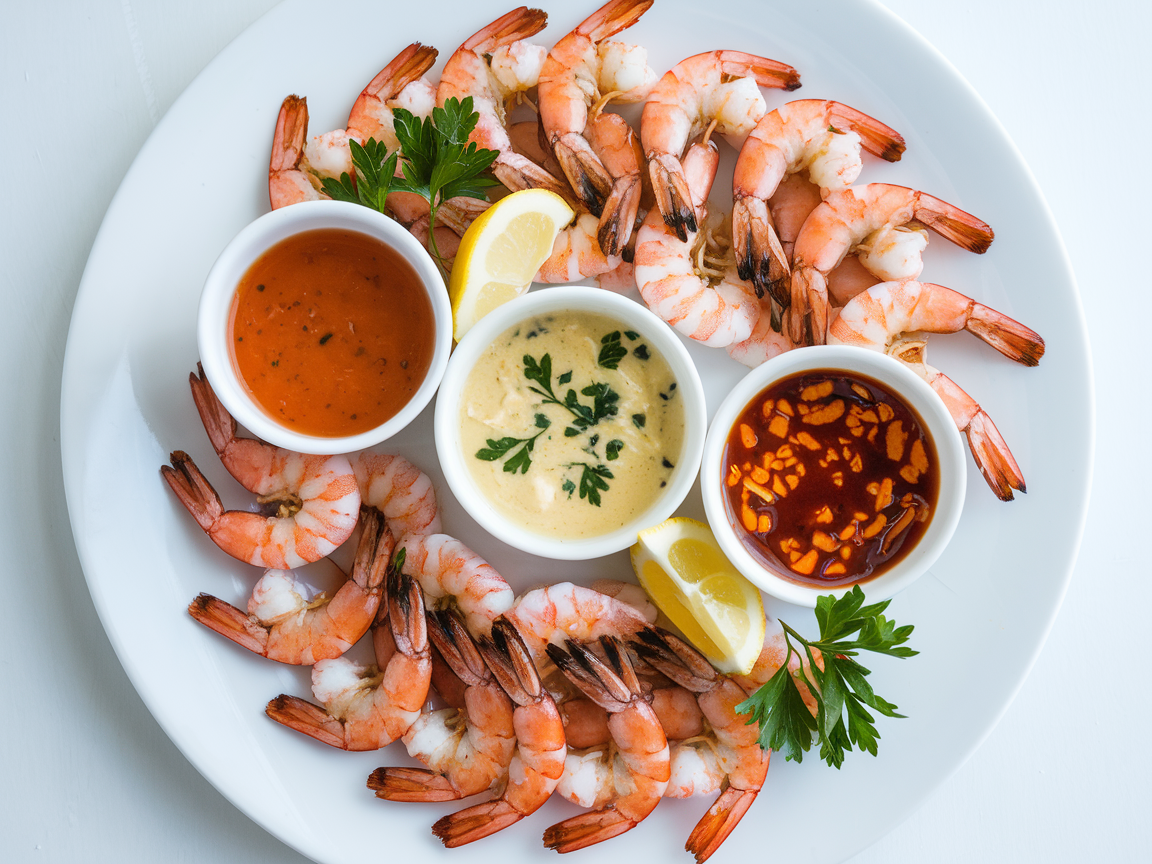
(399, 490)
(764, 343)
(734, 743)
(583, 72)
(576, 254)
(819, 136)
(400, 84)
(309, 503)
(467, 750)
(692, 284)
(844, 219)
(298, 162)
(538, 761)
(369, 707)
(880, 316)
(988, 447)
(640, 765)
(719, 87)
(774, 653)
(492, 66)
(453, 576)
(282, 625)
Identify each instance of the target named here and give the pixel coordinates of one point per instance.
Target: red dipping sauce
(331, 332)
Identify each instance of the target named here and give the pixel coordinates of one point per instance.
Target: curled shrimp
(733, 744)
(467, 749)
(538, 761)
(640, 765)
(282, 625)
(298, 164)
(583, 72)
(579, 249)
(880, 317)
(691, 283)
(847, 217)
(309, 503)
(822, 137)
(399, 490)
(492, 66)
(718, 87)
(369, 707)
(453, 576)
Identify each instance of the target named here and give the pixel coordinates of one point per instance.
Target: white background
(88, 775)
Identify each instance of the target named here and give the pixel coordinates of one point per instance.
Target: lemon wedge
(687, 575)
(501, 252)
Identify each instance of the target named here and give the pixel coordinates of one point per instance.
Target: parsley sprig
(604, 398)
(521, 460)
(436, 162)
(840, 687)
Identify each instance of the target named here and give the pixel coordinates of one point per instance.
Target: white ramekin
(574, 298)
(243, 250)
(900, 380)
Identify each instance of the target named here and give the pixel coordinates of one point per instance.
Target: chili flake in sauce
(832, 477)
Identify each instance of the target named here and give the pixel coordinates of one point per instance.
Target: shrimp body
(583, 71)
(538, 761)
(880, 317)
(576, 254)
(467, 749)
(703, 300)
(453, 576)
(845, 218)
(514, 66)
(822, 137)
(733, 749)
(399, 490)
(716, 87)
(640, 760)
(764, 343)
(400, 84)
(292, 176)
(311, 502)
(369, 707)
(282, 625)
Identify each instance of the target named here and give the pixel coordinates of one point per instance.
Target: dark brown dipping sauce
(332, 332)
(831, 478)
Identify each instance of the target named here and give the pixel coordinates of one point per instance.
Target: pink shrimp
(641, 766)
(453, 576)
(705, 301)
(281, 625)
(822, 137)
(309, 503)
(399, 490)
(718, 87)
(369, 707)
(844, 219)
(470, 72)
(538, 762)
(733, 745)
(583, 72)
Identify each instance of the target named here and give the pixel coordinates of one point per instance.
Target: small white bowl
(901, 381)
(631, 315)
(216, 304)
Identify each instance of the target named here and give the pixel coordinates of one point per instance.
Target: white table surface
(86, 772)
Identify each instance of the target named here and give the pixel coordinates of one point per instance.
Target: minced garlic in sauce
(571, 424)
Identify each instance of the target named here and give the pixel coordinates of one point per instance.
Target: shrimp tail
(520, 23)
(992, 456)
(722, 817)
(674, 657)
(411, 785)
(618, 217)
(519, 172)
(952, 223)
(760, 257)
(218, 423)
(875, 137)
(193, 489)
(404, 68)
(587, 829)
(768, 73)
(475, 823)
(1008, 336)
(305, 717)
(229, 621)
(673, 196)
(808, 320)
(606, 687)
(589, 178)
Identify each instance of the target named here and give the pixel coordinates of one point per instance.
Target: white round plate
(981, 613)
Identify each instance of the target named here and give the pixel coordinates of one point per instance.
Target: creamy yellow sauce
(588, 465)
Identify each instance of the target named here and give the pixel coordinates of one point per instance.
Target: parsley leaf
(593, 481)
(837, 682)
(611, 351)
(374, 169)
(521, 460)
